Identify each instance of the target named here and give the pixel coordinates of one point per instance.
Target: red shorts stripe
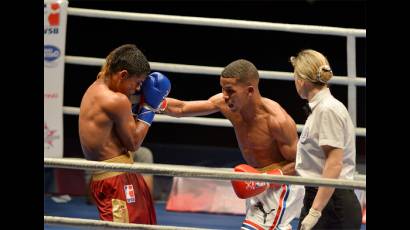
(279, 211)
(253, 224)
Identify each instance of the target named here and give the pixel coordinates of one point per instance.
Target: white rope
(360, 177)
(357, 175)
(217, 22)
(201, 172)
(99, 224)
(218, 122)
(209, 70)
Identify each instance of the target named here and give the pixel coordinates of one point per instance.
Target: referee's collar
(323, 93)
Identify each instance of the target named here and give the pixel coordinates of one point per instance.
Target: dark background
(212, 46)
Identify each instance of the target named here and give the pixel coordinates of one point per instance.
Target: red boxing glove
(246, 189)
(275, 172)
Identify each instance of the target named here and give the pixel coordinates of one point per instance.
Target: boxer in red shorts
(129, 197)
(111, 127)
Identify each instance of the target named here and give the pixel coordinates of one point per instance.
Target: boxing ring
(351, 81)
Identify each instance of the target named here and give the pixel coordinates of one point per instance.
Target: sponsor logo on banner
(51, 18)
(129, 193)
(55, 23)
(50, 95)
(49, 136)
(51, 55)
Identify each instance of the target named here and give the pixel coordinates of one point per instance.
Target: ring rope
(99, 224)
(219, 122)
(210, 70)
(357, 176)
(200, 172)
(217, 22)
(361, 177)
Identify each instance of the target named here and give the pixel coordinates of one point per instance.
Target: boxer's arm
(289, 169)
(130, 132)
(178, 108)
(286, 136)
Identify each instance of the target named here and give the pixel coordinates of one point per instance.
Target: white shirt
(328, 124)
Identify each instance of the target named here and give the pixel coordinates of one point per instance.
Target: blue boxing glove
(145, 115)
(155, 89)
(136, 103)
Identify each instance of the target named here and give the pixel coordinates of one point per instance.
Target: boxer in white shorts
(275, 207)
(266, 135)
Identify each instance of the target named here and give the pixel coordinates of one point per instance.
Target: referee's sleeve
(331, 129)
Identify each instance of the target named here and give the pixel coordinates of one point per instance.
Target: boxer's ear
(251, 90)
(123, 74)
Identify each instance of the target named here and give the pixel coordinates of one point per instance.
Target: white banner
(55, 21)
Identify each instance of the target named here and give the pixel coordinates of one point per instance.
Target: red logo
(49, 137)
(54, 16)
(50, 95)
(252, 185)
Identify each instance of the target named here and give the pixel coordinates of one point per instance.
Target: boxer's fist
(136, 103)
(140, 110)
(146, 115)
(154, 89)
(246, 189)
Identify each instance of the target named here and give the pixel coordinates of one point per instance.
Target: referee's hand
(310, 220)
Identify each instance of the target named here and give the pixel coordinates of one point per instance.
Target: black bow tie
(306, 108)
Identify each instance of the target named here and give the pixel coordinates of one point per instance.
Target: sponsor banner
(55, 21)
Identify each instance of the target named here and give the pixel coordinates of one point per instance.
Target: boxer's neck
(252, 108)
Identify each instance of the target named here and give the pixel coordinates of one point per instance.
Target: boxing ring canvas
(78, 208)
